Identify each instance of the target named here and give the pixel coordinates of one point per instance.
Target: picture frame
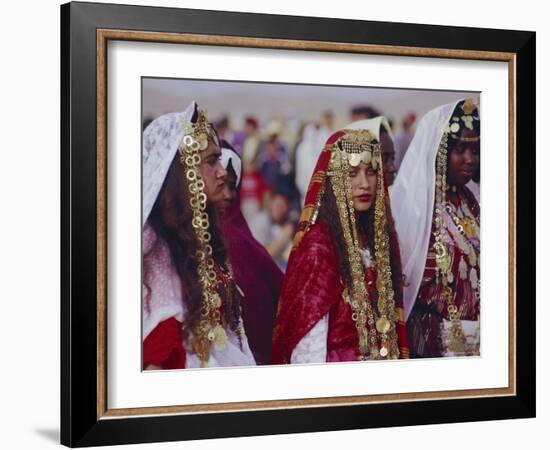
(86, 28)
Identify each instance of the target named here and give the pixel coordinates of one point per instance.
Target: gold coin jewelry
(361, 309)
(375, 325)
(458, 340)
(384, 284)
(210, 331)
(444, 275)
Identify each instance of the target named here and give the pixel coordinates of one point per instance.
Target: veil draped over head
(161, 140)
(412, 196)
(184, 136)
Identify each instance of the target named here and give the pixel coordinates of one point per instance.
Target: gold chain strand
(443, 258)
(365, 311)
(358, 294)
(358, 304)
(385, 324)
(209, 331)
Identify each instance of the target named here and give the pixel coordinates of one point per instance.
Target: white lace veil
(412, 199)
(161, 140)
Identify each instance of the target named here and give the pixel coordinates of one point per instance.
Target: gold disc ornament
(383, 325)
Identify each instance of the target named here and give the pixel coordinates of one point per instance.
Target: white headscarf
(161, 140)
(412, 199)
(373, 125)
(229, 155)
(307, 154)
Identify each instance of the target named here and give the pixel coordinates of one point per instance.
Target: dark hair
(171, 218)
(328, 213)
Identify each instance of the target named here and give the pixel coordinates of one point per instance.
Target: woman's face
(463, 159)
(213, 173)
(363, 180)
(229, 190)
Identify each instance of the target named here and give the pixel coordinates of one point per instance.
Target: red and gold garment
(312, 290)
(425, 321)
(313, 294)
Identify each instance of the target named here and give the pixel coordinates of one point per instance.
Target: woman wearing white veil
(437, 222)
(191, 305)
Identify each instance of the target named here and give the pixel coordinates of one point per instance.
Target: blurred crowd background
(280, 129)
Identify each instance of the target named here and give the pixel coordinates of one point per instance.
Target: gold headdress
(375, 324)
(210, 331)
(358, 146)
(467, 120)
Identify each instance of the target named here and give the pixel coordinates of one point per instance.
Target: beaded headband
(354, 148)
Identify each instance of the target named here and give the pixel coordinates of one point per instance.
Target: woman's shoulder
(317, 232)
(318, 240)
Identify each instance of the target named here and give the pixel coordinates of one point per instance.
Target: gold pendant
(216, 300)
(211, 336)
(472, 258)
(366, 157)
(220, 338)
(383, 352)
(354, 159)
(450, 277)
(383, 325)
(467, 227)
(442, 258)
(456, 345)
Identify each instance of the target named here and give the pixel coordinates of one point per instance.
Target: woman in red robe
(341, 298)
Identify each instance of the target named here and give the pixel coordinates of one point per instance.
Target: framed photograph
(170, 117)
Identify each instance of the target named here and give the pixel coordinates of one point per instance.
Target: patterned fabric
(312, 348)
(162, 294)
(426, 319)
(312, 296)
(307, 295)
(162, 301)
(161, 140)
